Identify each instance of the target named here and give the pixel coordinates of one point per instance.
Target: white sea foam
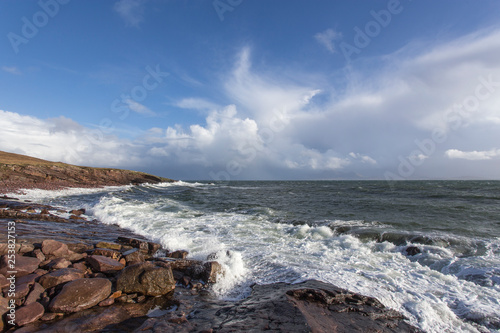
(42, 196)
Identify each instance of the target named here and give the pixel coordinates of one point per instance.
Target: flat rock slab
(29, 313)
(54, 249)
(60, 276)
(81, 294)
(104, 264)
(22, 266)
(147, 279)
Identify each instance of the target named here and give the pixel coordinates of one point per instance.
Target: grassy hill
(20, 171)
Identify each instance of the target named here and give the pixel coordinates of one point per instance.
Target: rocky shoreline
(76, 280)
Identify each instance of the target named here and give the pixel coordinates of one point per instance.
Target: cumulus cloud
(473, 155)
(326, 39)
(131, 11)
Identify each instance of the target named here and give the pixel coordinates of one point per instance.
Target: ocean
(353, 234)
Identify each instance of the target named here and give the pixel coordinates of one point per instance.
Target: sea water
(353, 234)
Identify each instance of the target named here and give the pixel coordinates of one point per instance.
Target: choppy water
(350, 233)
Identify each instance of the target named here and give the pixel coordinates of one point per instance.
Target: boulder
(212, 270)
(58, 263)
(3, 281)
(133, 255)
(113, 254)
(26, 247)
(54, 249)
(60, 276)
(35, 294)
(147, 279)
(412, 250)
(181, 254)
(4, 303)
(29, 313)
(81, 294)
(29, 279)
(104, 264)
(23, 265)
(109, 245)
(21, 291)
(144, 246)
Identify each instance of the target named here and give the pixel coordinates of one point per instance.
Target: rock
(81, 294)
(49, 316)
(144, 246)
(35, 294)
(58, 263)
(60, 276)
(23, 265)
(37, 253)
(178, 254)
(29, 279)
(3, 281)
(109, 245)
(78, 212)
(29, 313)
(104, 264)
(309, 306)
(79, 247)
(133, 255)
(107, 302)
(26, 247)
(412, 250)
(4, 303)
(80, 265)
(212, 270)
(113, 254)
(54, 249)
(4, 248)
(21, 291)
(147, 279)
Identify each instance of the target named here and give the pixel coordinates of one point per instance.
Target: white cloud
(473, 155)
(131, 11)
(139, 108)
(327, 37)
(197, 104)
(12, 70)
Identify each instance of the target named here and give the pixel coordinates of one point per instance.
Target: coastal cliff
(19, 171)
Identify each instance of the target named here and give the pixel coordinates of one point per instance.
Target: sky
(255, 90)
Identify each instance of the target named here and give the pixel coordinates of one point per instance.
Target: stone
(3, 281)
(77, 212)
(23, 265)
(21, 291)
(107, 302)
(29, 279)
(26, 247)
(4, 248)
(109, 245)
(80, 265)
(104, 264)
(4, 303)
(49, 316)
(178, 254)
(60, 276)
(147, 279)
(79, 247)
(37, 253)
(412, 250)
(54, 249)
(29, 313)
(58, 263)
(80, 294)
(144, 246)
(35, 294)
(212, 270)
(133, 255)
(113, 254)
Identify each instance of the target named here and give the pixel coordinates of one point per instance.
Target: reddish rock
(54, 249)
(29, 279)
(3, 281)
(104, 264)
(144, 246)
(26, 247)
(109, 245)
(80, 265)
(178, 254)
(81, 294)
(212, 270)
(60, 276)
(147, 279)
(4, 303)
(58, 263)
(107, 302)
(29, 313)
(35, 294)
(49, 316)
(23, 265)
(21, 291)
(37, 253)
(79, 247)
(78, 212)
(113, 254)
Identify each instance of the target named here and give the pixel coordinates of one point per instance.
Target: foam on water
(255, 250)
(451, 286)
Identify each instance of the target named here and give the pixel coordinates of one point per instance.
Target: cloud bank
(415, 114)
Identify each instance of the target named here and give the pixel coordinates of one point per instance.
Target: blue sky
(239, 89)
